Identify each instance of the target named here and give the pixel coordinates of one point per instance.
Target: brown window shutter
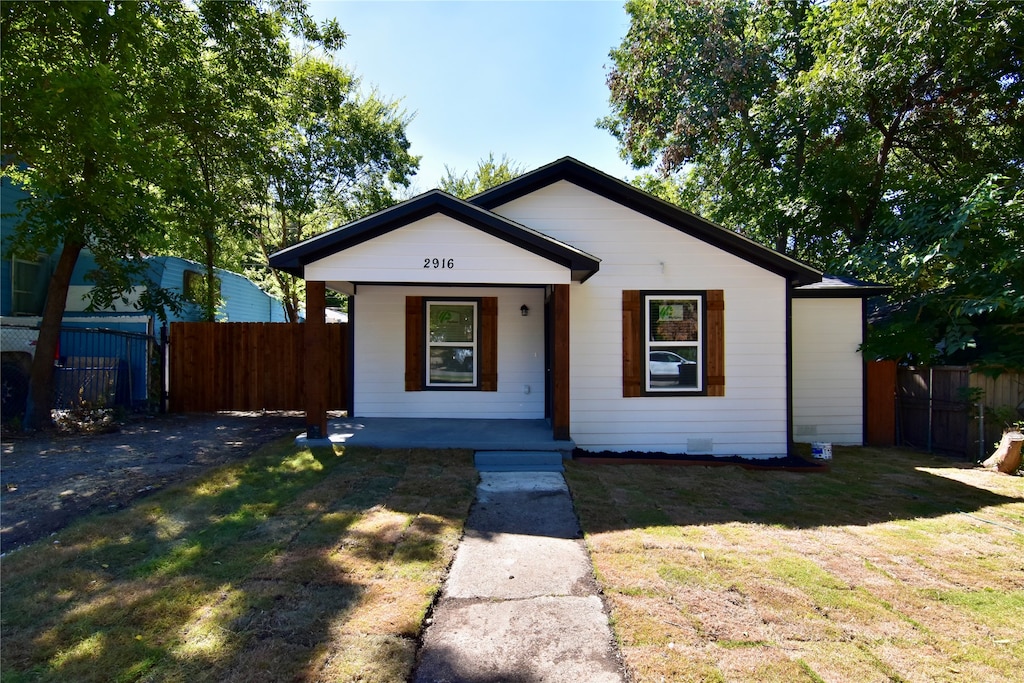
(715, 342)
(414, 343)
(632, 344)
(489, 344)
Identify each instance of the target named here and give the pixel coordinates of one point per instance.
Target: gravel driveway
(48, 481)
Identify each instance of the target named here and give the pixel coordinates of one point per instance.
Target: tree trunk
(211, 293)
(40, 398)
(1007, 458)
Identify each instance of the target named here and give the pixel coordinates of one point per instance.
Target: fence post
(165, 368)
(931, 395)
(981, 431)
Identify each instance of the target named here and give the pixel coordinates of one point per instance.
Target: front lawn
(893, 566)
(290, 565)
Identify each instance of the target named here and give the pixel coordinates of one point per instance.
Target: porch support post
(560, 362)
(315, 362)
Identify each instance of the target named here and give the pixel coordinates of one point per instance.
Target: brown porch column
(560, 362)
(315, 347)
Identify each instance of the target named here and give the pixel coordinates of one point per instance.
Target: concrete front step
(518, 461)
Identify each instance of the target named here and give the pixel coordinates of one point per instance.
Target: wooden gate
(934, 408)
(880, 423)
(249, 366)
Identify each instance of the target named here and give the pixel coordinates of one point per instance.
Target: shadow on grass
(862, 487)
(292, 564)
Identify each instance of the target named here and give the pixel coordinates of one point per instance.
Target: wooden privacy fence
(249, 366)
(941, 408)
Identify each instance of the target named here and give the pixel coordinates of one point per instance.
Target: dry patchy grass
(291, 565)
(893, 566)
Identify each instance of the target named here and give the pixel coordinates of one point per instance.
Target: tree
(225, 146)
(489, 173)
(336, 156)
(90, 126)
(835, 131)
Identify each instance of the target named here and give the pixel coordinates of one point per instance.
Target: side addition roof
(602, 184)
(294, 259)
(840, 287)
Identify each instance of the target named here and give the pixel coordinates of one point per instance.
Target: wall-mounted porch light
(525, 310)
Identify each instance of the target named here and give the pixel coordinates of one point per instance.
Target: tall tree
(81, 132)
(336, 156)
(834, 131)
(220, 140)
(489, 173)
(91, 124)
(225, 146)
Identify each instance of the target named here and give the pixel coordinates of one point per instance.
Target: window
(193, 286)
(440, 354)
(674, 341)
(28, 286)
(451, 343)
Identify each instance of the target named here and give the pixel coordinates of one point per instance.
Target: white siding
(379, 326)
(640, 253)
(399, 255)
(828, 372)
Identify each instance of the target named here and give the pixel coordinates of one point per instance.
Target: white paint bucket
(821, 450)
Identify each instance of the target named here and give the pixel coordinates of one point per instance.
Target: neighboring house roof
(602, 184)
(294, 259)
(838, 286)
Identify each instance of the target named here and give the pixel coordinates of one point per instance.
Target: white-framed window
(674, 342)
(452, 341)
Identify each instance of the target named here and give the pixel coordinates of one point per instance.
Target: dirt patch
(47, 481)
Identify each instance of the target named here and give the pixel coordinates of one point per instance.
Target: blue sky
(523, 79)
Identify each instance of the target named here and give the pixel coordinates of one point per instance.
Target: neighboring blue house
(24, 281)
(23, 284)
(242, 299)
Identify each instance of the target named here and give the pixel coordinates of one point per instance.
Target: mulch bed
(790, 463)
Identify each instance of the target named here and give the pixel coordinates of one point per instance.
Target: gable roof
(600, 183)
(294, 259)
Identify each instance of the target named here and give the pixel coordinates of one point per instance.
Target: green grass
(893, 565)
(291, 564)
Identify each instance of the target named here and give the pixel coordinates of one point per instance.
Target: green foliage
(881, 140)
(335, 155)
(489, 173)
(156, 127)
(956, 267)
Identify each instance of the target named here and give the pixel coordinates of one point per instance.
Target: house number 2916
(438, 263)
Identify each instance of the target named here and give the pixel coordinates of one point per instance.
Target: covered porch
(488, 265)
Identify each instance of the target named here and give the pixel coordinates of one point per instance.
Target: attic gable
(294, 259)
(573, 171)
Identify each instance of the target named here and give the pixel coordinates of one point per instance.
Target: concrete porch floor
(480, 435)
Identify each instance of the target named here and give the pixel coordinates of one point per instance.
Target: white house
(629, 323)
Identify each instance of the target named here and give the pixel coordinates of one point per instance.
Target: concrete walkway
(520, 603)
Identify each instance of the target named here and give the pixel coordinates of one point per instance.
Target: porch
(478, 435)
